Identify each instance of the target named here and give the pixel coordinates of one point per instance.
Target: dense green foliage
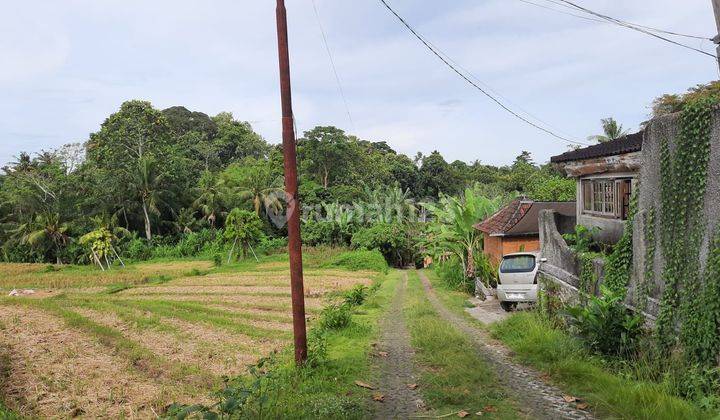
(687, 294)
(606, 325)
(162, 175)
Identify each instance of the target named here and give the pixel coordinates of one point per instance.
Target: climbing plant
(619, 263)
(648, 278)
(588, 277)
(683, 172)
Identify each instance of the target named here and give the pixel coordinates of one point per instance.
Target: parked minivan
(517, 279)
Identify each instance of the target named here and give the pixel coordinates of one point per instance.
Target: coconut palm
(147, 183)
(253, 180)
(210, 200)
(45, 230)
(611, 129)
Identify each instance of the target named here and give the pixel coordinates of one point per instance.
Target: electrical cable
(472, 83)
(332, 64)
(636, 27)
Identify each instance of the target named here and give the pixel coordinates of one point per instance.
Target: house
(606, 175)
(514, 228)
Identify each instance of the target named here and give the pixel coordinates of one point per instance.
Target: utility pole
(291, 187)
(716, 39)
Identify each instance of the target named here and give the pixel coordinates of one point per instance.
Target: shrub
(391, 239)
(335, 317)
(272, 246)
(606, 324)
(326, 232)
(138, 249)
(582, 240)
(452, 274)
(359, 260)
(356, 296)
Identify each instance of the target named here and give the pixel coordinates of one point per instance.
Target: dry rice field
(128, 342)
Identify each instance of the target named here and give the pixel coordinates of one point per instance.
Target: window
(518, 264)
(607, 197)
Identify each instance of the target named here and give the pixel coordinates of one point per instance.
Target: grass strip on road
(454, 377)
(536, 343)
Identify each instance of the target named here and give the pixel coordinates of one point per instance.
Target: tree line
(148, 178)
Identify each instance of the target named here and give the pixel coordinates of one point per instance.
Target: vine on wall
(619, 264)
(648, 279)
(683, 183)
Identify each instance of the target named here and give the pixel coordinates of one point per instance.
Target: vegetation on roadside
(453, 376)
(612, 393)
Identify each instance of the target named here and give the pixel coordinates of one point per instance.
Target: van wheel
(508, 306)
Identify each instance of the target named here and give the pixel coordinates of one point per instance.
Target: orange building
(514, 228)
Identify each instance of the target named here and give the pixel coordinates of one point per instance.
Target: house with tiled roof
(606, 175)
(514, 227)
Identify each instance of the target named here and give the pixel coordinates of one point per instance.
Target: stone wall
(562, 265)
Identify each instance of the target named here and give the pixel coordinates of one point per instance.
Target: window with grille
(607, 197)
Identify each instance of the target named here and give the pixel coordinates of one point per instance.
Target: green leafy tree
(242, 228)
(236, 140)
(211, 197)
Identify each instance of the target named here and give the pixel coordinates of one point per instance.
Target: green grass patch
(550, 350)
(359, 260)
(454, 377)
(453, 299)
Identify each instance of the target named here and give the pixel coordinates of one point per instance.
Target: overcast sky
(66, 65)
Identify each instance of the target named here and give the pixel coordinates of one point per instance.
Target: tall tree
(611, 131)
(148, 185)
(256, 181)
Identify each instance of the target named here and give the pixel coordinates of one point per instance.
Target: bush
(356, 296)
(359, 260)
(326, 232)
(392, 240)
(272, 246)
(335, 317)
(606, 324)
(582, 240)
(452, 274)
(137, 249)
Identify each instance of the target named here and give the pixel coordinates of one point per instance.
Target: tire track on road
(541, 399)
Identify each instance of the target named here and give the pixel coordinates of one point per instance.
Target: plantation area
(129, 342)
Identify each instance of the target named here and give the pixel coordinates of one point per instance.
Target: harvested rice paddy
(130, 341)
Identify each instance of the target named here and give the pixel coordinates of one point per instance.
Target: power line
(332, 64)
(563, 12)
(635, 27)
(650, 28)
(467, 79)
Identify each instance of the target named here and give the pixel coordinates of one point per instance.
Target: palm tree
(43, 230)
(210, 197)
(148, 185)
(258, 184)
(611, 129)
(185, 220)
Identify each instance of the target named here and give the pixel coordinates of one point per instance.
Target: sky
(65, 66)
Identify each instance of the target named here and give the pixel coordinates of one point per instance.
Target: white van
(517, 279)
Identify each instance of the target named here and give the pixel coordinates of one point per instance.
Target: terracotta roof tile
(520, 217)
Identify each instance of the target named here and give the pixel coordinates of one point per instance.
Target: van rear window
(518, 264)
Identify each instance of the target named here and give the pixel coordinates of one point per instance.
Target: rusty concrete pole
(291, 186)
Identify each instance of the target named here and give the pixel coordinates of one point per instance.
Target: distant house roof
(625, 144)
(520, 217)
